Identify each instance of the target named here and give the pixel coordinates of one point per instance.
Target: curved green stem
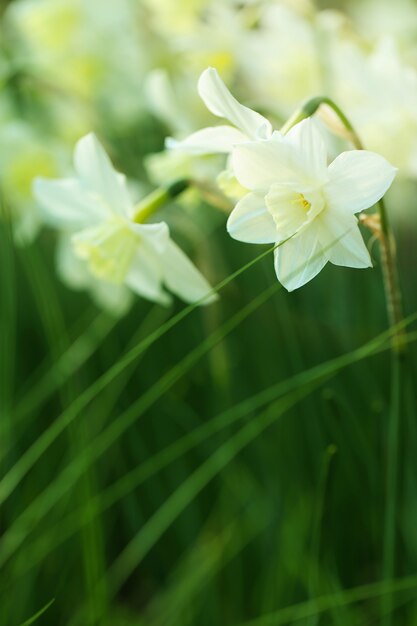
(311, 107)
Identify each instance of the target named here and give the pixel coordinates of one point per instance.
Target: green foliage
(197, 466)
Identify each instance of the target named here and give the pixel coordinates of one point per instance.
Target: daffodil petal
(251, 222)
(157, 235)
(342, 241)
(95, 169)
(65, 204)
(299, 259)
(221, 103)
(258, 165)
(72, 270)
(183, 278)
(311, 153)
(357, 180)
(116, 299)
(211, 140)
(145, 276)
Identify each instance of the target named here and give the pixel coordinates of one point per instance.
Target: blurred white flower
(24, 154)
(378, 92)
(115, 299)
(284, 58)
(95, 209)
(64, 45)
(297, 200)
(176, 18)
(246, 124)
(398, 20)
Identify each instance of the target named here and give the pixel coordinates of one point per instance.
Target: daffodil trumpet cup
(380, 228)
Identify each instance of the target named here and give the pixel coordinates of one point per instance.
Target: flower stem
(311, 107)
(157, 198)
(391, 280)
(391, 489)
(395, 317)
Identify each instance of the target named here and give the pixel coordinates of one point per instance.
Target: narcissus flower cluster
(291, 196)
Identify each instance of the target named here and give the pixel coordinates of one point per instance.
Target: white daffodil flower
(95, 209)
(297, 200)
(246, 124)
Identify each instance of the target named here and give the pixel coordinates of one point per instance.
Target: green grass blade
(12, 479)
(127, 483)
(310, 608)
(68, 477)
(39, 614)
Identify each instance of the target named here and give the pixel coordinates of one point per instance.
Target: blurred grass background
(161, 499)
(295, 515)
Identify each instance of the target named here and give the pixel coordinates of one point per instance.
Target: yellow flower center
(301, 201)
